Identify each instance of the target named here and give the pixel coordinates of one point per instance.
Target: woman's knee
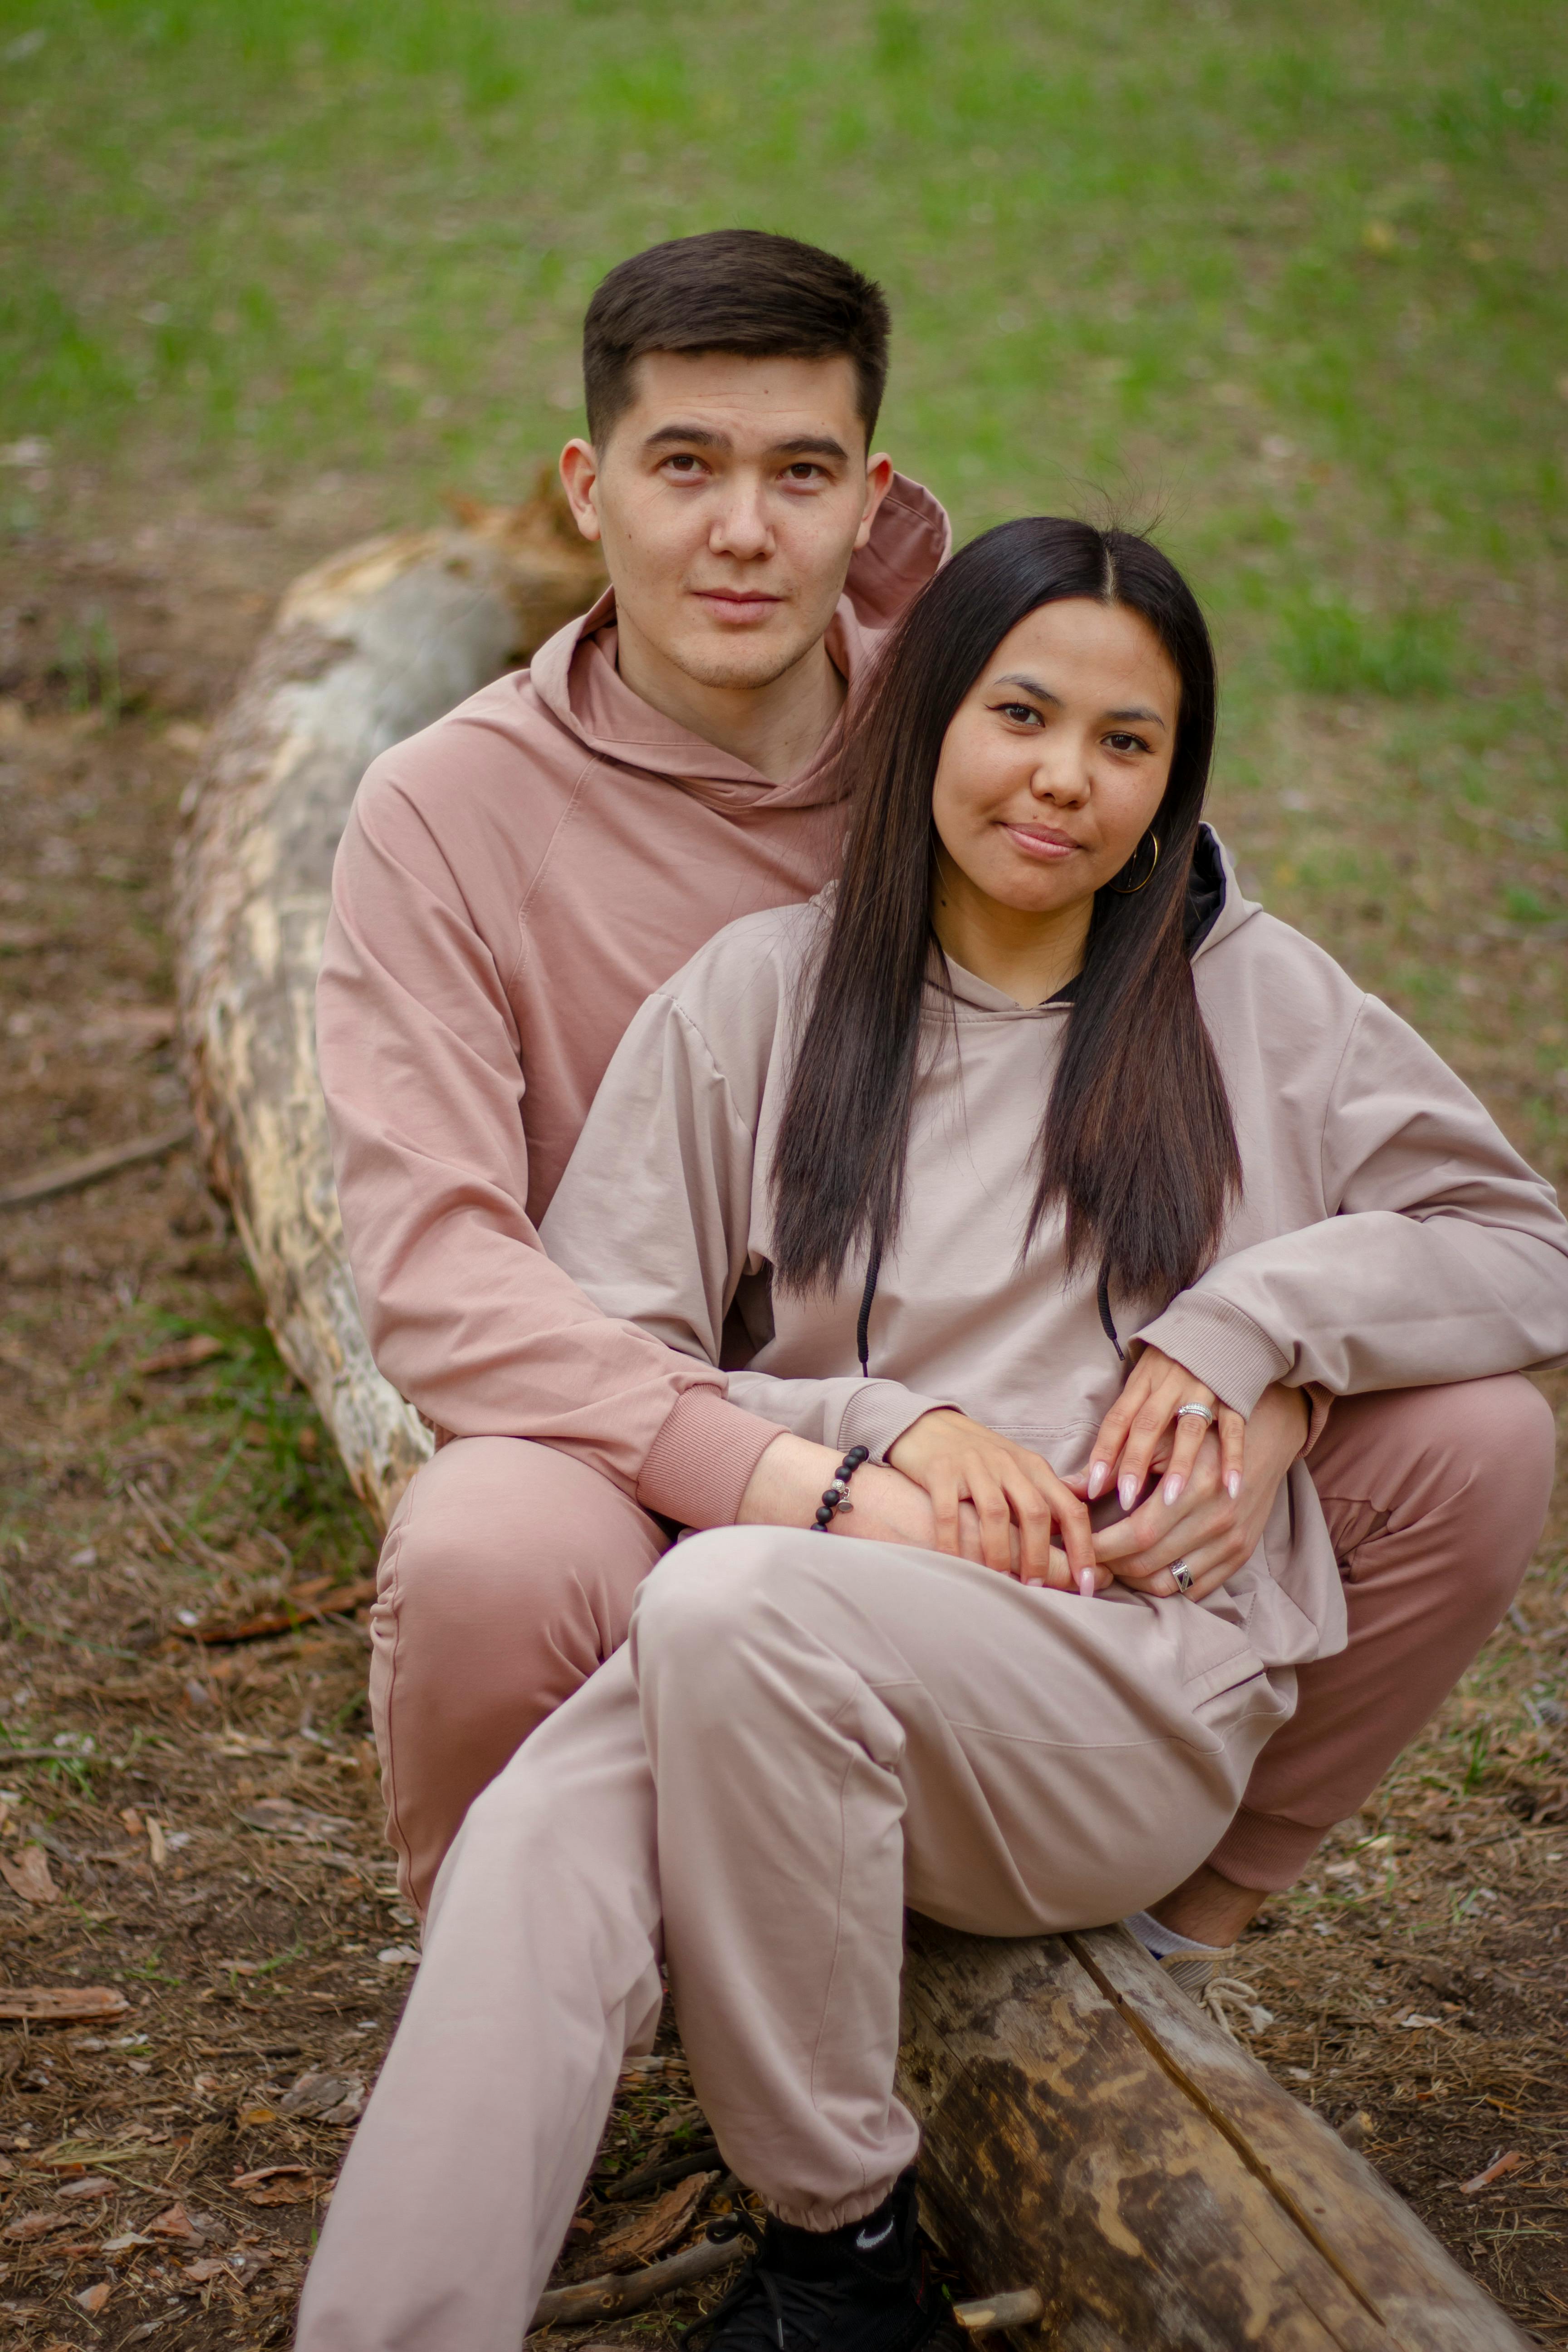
(711, 1588)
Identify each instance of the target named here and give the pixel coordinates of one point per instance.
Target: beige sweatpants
(800, 1737)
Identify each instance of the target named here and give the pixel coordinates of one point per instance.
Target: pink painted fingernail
(1127, 1491)
(1233, 1484)
(1085, 1583)
(1173, 1489)
(1099, 1480)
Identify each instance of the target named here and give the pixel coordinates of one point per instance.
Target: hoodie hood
(575, 677)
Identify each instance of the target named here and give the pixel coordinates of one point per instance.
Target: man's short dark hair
(735, 290)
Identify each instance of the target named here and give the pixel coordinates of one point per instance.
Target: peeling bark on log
(365, 649)
(1089, 2132)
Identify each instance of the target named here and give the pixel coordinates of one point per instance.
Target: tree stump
(1088, 2131)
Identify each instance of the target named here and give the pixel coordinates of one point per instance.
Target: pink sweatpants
(509, 1572)
(799, 1737)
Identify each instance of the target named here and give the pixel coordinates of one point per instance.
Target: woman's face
(1055, 763)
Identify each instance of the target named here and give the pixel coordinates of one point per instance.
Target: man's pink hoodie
(511, 884)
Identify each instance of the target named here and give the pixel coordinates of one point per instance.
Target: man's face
(729, 497)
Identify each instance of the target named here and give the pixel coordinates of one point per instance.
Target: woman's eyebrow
(1043, 694)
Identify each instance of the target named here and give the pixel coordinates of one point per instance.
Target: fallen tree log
(1089, 2132)
(1092, 2132)
(364, 650)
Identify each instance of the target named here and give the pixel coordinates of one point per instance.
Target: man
(511, 884)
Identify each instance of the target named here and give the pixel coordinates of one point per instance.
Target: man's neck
(777, 728)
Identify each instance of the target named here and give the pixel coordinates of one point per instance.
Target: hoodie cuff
(879, 1412)
(1219, 1346)
(700, 1464)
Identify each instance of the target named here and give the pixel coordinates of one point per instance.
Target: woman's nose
(1061, 775)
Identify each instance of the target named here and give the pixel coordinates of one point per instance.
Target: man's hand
(1212, 1530)
(1017, 1499)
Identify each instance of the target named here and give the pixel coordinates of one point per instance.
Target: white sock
(1160, 1941)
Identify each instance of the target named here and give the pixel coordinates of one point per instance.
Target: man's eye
(802, 470)
(684, 462)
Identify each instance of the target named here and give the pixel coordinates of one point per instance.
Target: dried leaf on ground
(277, 2184)
(399, 1955)
(93, 2298)
(173, 2226)
(95, 2185)
(36, 2225)
(326, 2098)
(280, 1817)
(645, 2234)
(51, 2004)
(1499, 2165)
(28, 1875)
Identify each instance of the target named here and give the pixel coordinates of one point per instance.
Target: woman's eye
(1127, 742)
(1023, 714)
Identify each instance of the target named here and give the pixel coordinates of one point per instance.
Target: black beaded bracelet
(836, 1497)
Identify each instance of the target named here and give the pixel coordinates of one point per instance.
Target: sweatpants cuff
(1264, 1851)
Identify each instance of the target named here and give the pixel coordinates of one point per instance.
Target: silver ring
(1202, 1411)
(1181, 1576)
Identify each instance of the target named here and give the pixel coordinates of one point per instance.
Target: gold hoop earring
(1130, 890)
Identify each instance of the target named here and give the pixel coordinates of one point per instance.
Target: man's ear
(879, 482)
(579, 474)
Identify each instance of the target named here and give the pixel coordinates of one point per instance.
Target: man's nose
(742, 527)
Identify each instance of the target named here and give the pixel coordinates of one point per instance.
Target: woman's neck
(1027, 956)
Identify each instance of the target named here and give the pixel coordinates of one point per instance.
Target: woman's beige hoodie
(1386, 1236)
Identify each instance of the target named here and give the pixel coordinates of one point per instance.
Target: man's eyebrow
(1043, 694)
(702, 437)
(699, 436)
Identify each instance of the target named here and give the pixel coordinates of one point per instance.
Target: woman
(1032, 1093)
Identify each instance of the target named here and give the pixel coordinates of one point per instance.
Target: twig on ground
(74, 1175)
(659, 2175)
(609, 2298)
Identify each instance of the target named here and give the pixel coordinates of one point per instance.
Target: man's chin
(740, 664)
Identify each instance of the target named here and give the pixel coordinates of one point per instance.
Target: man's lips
(737, 603)
(1037, 843)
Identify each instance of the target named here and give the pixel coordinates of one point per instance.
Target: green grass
(1288, 281)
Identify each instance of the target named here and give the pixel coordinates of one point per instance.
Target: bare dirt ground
(188, 1819)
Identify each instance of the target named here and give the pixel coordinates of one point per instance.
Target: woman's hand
(1146, 1424)
(1213, 1531)
(1017, 1499)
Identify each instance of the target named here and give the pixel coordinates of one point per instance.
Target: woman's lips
(1046, 846)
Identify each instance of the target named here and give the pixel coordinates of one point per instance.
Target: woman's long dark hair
(1136, 1143)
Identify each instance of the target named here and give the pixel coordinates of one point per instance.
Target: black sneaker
(865, 2287)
